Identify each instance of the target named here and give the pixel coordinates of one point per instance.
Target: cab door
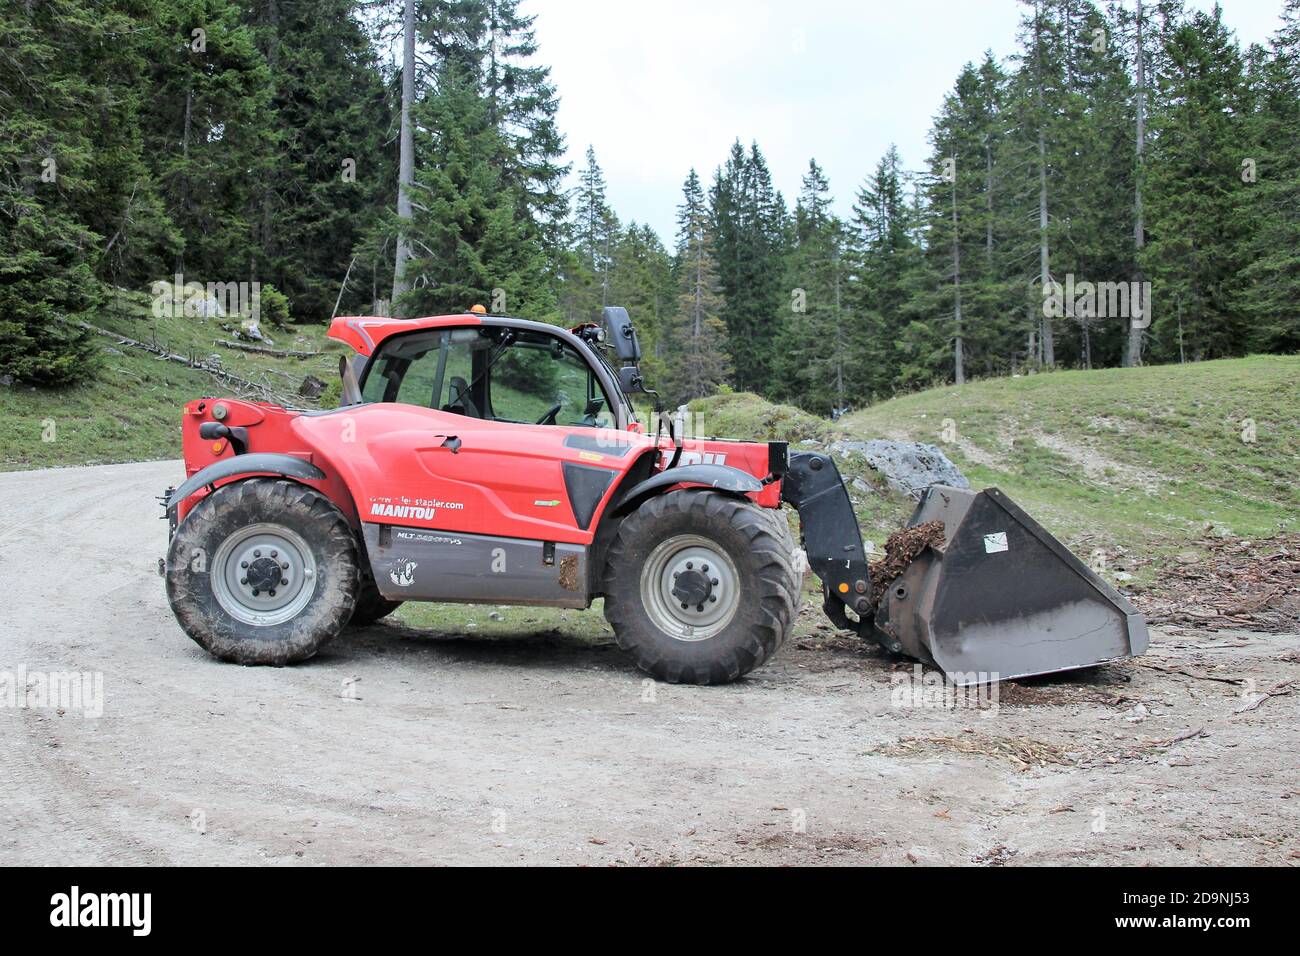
(489, 430)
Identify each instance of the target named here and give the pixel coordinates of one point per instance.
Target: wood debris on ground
(1229, 583)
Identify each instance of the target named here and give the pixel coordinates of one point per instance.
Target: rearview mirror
(630, 380)
(622, 334)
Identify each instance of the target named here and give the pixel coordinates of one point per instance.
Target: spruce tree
(330, 175)
(596, 230)
(816, 361)
(641, 280)
(54, 96)
(207, 127)
(467, 236)
(1270, 296)
(884, 257)
(1198, 227)
(748, 218)
(695, 357)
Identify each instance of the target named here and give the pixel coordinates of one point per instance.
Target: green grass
(507, 623)
(1098, 456)
(131, 410)
(742, 415)
(1137, 463)
(746, 416)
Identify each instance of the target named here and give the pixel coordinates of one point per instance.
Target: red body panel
(365, 333)
(387, 463)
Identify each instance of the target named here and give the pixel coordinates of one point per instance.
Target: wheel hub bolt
(271, 592)
(257, 554)
(243, 564)
(284, 581)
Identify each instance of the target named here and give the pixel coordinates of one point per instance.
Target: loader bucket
(1001, 598)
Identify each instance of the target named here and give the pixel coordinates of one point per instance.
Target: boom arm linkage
(831, 537)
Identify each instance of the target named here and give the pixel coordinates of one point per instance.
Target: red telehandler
(493, 460)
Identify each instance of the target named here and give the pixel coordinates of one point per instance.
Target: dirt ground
(406, 746)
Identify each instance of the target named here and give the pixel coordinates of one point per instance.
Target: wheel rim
(693, 571)
(263, 575)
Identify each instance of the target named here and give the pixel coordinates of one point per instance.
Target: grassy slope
(746, 416)
(1155, 449)
(1135, 462)
(131, 410)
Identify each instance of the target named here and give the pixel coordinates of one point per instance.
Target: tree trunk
(185, 164)
(839, 339)
(958, 359)
(1182, 355)
(266, 238)
(406, 157)
(1044, 260)
(1133, 355)
(988, 206)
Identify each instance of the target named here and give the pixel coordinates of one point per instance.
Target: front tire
(699, 586)
(263, 571)
(371, 605)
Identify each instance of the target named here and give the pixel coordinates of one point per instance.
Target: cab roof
(365, 333)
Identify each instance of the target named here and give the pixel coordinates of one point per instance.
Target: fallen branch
(259, 350)
(1169, 742)
(1277, 690)
(234, 382)
(343, 288)
(1236, 681)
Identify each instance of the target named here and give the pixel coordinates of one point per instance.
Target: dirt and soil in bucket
(901, 549)
(450, 734)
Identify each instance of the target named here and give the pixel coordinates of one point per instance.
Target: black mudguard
(722, 478)
(258, 463)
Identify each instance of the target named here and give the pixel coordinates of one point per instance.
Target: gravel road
(399, 745)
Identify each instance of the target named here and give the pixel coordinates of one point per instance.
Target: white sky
(660, 86)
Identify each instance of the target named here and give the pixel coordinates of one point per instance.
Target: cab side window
(543, 380)
(492, 373)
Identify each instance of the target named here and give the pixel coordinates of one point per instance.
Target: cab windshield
(496, 374)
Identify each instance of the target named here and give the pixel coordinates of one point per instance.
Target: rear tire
(263, 571)
(371, 605)
(727, 560)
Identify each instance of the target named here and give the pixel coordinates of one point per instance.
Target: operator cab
(519, 373)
